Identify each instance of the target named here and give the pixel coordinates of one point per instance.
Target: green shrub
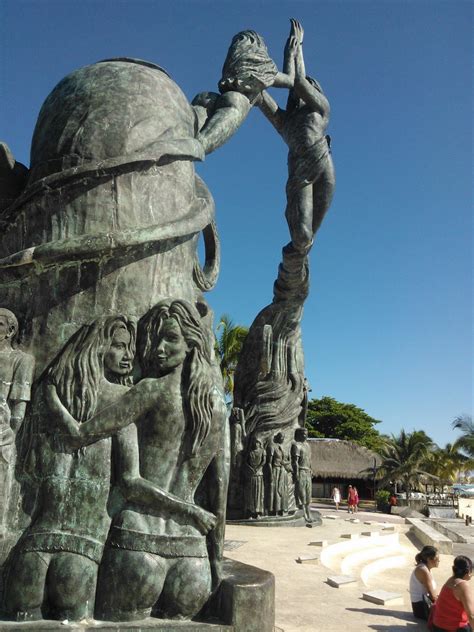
(382, 497)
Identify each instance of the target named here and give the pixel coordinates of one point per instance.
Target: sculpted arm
(137, 489)
(313, 97)
(286, 78)
(219, 480)
(230, 111)
(127, 409)
(269, 107)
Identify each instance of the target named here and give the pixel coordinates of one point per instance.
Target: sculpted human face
(172, 347)
(118, 358)
(5, 328)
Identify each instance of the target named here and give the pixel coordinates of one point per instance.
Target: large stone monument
(114, 436)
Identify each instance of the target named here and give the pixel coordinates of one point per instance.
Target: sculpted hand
(204, 520)
(297, 30)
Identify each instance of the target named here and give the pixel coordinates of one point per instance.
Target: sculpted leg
(25, 586)
(70, 586)
(299, 215)
(130, 583)
(186, 589)
(323, 191)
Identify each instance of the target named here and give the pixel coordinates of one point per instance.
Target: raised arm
(286, 78)
(309, 93)
(269, 107)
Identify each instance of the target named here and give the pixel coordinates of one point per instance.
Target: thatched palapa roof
(341, 459)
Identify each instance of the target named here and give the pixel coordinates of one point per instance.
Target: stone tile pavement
(304, 600)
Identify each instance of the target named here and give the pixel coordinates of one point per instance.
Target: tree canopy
(327, 417)
(405, 457)
(229, 341)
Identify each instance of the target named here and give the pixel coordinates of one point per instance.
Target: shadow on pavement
(407, 617)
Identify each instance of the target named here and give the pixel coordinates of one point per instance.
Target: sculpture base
(294, 520)
(164, 625)
(245, 602)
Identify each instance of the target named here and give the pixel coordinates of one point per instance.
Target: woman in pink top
(454, 611)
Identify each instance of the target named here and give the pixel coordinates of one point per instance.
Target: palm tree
(229, 341)
(404, 458)
(465, 424)
(448, 463)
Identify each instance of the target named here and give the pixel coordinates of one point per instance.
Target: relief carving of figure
(16, 377)
(157, 562)
(16, 370)
(279, 466)
(54, 568)
(254, 488)
(301, 462)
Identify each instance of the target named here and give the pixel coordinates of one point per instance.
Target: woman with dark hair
(454, 611)
(422, 584)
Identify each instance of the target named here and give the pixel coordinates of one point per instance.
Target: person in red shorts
(454, 610)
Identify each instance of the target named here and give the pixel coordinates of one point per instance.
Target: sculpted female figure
(157, 561)
(247, 70)
(54, 568)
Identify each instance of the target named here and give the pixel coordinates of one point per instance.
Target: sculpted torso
(163, 443)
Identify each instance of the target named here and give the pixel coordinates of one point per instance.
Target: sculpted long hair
(247, 65)
(197, 383)
(77, 371)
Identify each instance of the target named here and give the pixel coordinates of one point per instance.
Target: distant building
(341, 463)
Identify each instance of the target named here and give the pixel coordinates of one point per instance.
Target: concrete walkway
(305, 602)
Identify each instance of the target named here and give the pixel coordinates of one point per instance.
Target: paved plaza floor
(305, 602)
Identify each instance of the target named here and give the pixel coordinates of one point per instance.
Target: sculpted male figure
(279, 466)
(16, 370)
(16, 377)
(302, 125)
(301, 461)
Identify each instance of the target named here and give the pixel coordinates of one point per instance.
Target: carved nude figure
(248, 69)
(302, 125)
(156, 561)
(54, 568)
(301, 461)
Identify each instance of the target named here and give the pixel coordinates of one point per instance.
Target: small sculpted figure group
(271, 475)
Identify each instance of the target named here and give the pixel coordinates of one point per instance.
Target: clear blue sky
(388, 324)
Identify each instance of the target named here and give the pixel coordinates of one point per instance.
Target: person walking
(356, 499)
(422, 584)
(336, 497)
(351, 499)
(454, 608)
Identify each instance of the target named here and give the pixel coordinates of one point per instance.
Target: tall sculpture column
(270, 387)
